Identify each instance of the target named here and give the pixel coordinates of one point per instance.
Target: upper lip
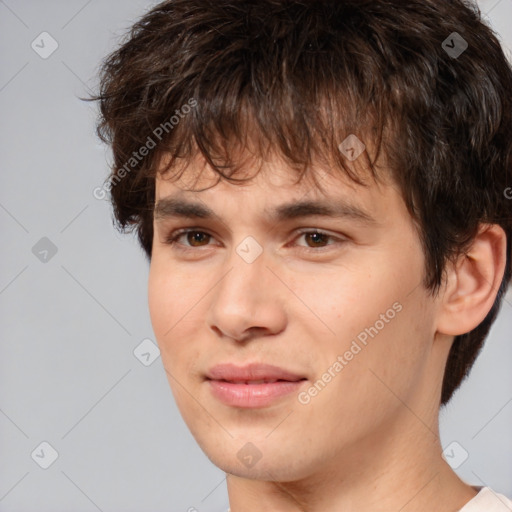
(254, 371)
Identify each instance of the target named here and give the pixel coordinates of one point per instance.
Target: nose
(248, 301)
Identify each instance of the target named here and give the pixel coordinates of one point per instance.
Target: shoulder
(488, 501)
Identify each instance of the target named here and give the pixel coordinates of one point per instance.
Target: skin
(369, 440)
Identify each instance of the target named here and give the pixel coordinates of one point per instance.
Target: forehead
(272, 191)
(271, 173)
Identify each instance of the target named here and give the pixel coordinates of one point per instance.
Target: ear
(472, 283)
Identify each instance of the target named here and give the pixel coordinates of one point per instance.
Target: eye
(318, 238)
(173, 238)
(196, 238)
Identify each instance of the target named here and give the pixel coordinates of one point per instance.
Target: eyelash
(172, 239)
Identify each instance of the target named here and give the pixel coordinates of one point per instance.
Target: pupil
(318, 236)
(196, 237)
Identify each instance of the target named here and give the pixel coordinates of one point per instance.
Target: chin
(255, 462)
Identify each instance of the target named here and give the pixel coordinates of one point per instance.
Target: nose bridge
(247, 279)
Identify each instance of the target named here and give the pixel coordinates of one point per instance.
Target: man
(322, 190)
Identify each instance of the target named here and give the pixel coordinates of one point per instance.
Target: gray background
(71, 323)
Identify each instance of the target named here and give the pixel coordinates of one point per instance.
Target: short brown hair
(427, 80)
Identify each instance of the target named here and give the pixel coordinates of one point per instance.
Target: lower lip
(252, 395)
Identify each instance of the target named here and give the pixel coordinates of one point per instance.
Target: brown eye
(317, 242)
(196, 237)
(193, 237)
(317, 238)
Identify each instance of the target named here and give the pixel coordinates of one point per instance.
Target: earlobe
(473, 282)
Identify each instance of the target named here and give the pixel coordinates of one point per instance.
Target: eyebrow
(170, 207)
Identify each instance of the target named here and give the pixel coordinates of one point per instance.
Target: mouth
(254, 382)
(254, 394)
(254, 385)
(252, 373)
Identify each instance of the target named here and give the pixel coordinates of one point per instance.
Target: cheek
(166, 308)
(390, 362)
(374, 313)
(175, 308)
(158, 300)
(170, 296)
(172, 327)
(338, 302)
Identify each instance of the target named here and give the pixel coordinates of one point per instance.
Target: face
(335, 299)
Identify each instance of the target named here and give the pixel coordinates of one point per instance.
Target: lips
(253, 386)
(255, 373)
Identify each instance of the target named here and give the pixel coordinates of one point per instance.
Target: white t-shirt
(485, 501)
(488, 501)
